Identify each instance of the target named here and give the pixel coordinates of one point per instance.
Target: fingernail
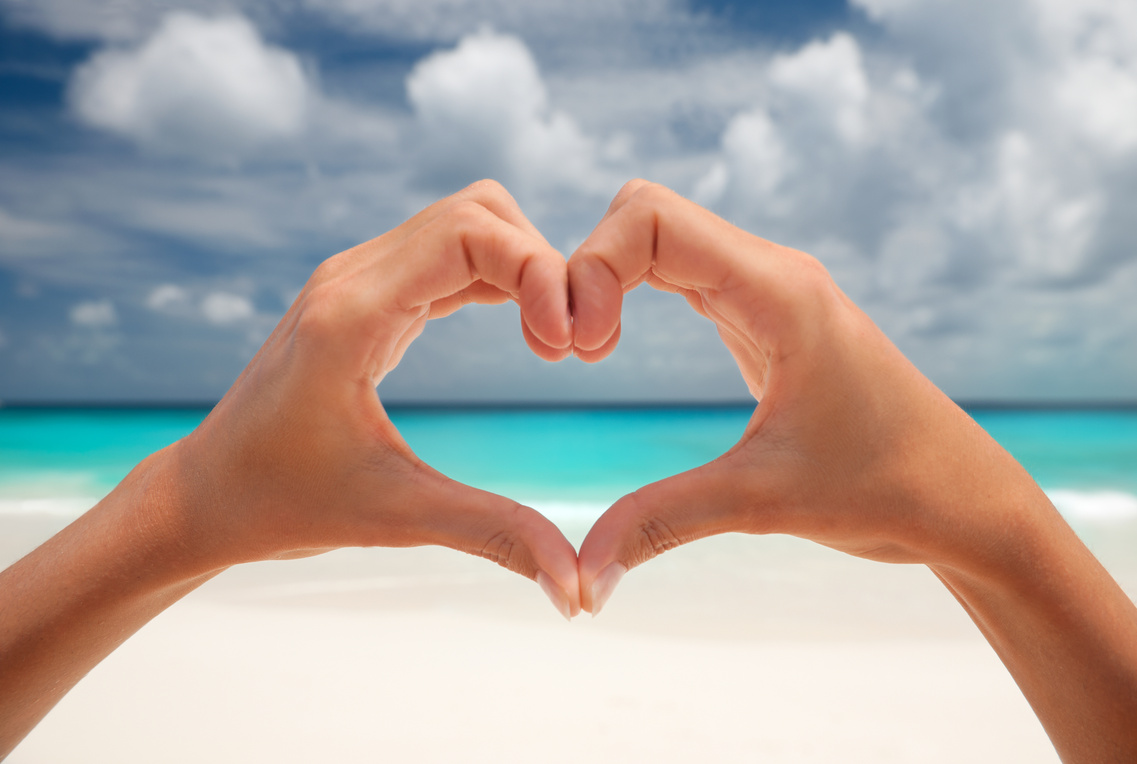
(555, 594)
(605, 584)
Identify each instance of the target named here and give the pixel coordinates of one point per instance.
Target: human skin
(850, 446)
(299, 457)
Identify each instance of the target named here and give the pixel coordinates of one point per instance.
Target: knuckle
(815, 276)
(632, 187)
(498, 548)
(488, 192)
(506, 548)
(328, 270)
(650, 194)
(321, 309)
(653, 536)
(658, 535)
(465, 216)
(487, 186)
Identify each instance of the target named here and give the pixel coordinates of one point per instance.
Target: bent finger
(654, 234)
(642, 525)
(467, 243)
(517, 537)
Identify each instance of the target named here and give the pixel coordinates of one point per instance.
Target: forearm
(1064, 629)
(72, 601)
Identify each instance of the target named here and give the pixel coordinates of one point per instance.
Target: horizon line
(538, 405)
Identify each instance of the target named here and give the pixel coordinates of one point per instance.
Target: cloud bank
(964, 169)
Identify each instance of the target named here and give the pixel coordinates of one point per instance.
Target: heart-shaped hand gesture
(846, 447)
(850, 446)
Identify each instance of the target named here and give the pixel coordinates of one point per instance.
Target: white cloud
(826, 81)
(1092, 46)
(1044, 224)
(207, 87)
(224, 308)
(166, 298)
(483, 111)
(94, 314)
(755, 161)
(814, 140)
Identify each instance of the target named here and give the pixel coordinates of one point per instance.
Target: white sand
(733, 649)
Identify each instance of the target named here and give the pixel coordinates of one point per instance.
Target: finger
(488, 193)
(485, 294)
(624, 194)
(546, 321)
(655, 235)
(479, 292)
(702, 502)
(468, 242)
(494, 197)
(448, 513)
(373, 299)
(596, 296)
(600, 353)
(542, 350)
(651, 230)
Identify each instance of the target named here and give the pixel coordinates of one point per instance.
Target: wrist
(152, 518)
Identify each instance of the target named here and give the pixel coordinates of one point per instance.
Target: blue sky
(171, 172)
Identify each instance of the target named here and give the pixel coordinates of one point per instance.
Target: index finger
(460, 250)
(468, 247)
(652, 234)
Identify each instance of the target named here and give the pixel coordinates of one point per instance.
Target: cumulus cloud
(223, 308)
(482, 110)
(220, 307)
(826, 79)
(839, 128)
(167, 298)
(94, 314)
(821, 141)
(208, 87)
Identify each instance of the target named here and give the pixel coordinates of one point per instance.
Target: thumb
(501, 530)
(702, 502)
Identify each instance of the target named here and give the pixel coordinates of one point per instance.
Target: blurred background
(171, 173)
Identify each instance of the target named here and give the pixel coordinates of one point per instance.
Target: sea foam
(70, 506)
(1083, 506)
(1095, 506)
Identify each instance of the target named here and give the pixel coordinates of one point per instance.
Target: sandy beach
(732, 649)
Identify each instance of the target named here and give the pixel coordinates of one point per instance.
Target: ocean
(569, 463)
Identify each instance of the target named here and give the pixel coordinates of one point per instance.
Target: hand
(300, 457)
(847, 445)
(852, 447)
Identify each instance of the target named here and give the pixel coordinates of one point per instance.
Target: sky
(172, 172)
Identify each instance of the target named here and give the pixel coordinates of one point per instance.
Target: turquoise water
(566, 460)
